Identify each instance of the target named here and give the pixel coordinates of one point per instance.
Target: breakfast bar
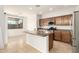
(40, 40)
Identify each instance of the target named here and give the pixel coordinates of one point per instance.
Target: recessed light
(50, 9)
(30, 8)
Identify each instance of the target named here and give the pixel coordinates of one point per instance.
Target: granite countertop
(42, 32)
(65, 29)
(39, 33)
(57, 27)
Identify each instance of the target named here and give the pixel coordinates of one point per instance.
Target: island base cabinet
(38, 42)
(50, 41)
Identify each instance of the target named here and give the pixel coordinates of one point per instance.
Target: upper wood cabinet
(52, 20)
(70, 19)
(58, 20)
(63, 20)
(45, 21)
(41, 22)
(66, 20)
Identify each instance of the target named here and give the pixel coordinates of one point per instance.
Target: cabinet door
(43, 22)
(66, 36)
(66, 20)
(52, 20)
(46, 22)
(57, 35)
(70, 19)
(58, 20)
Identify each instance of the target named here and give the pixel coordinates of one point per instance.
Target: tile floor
(18, 45)
(60, 47)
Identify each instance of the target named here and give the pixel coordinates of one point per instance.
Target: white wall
(15, 32)
(29, 22)
(3, 27)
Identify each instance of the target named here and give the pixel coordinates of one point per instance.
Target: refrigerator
(75, 36)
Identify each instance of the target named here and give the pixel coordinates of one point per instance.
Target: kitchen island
(40, 40)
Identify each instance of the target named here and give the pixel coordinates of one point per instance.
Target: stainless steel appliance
(76, 32)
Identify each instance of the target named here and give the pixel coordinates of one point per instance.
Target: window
(15, 23)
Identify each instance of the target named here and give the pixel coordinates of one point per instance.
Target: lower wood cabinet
(62, 35)
(57, 35)
(66, 37)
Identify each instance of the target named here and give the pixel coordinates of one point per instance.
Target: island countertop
(39, 33)
(41, 40)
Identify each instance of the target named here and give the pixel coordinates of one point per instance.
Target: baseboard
(34, 47)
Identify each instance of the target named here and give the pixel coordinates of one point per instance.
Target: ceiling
(39, 9)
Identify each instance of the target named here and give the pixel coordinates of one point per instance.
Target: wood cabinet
(63, 35)
(66, 37)
(63, 20)
(52, 20)
(70, 19)
(40, 22)
(66, 20)
(57, 35)
(51, 41)
(43, 22)
(58, 20)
